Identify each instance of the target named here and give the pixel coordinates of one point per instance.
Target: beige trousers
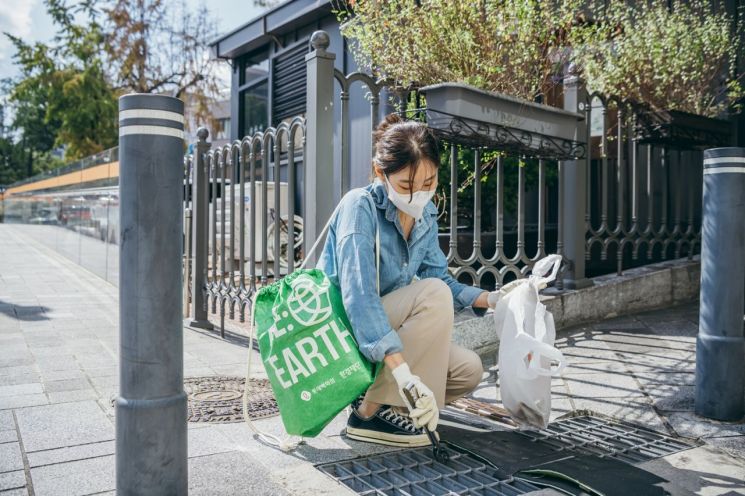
(422, 313)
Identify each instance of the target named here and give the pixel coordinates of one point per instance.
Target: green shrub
(678, 58)
(508, 46)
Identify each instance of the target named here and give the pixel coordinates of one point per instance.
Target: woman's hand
(423, 412)
(482, 301)
(490, 299)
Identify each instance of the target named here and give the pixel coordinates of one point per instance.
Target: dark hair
(403, 143)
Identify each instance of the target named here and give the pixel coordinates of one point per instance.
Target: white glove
(494, 297)
(424, 412)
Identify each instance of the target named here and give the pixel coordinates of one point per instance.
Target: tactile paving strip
(416, 473)
(607, 438)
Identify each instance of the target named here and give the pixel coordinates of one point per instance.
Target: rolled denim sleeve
(435, 265)
(355, 250)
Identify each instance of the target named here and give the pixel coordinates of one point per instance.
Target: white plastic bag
(527, 356)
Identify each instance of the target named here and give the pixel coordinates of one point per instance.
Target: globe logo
(309, 302)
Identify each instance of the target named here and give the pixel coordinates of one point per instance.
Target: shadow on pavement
(25, 313)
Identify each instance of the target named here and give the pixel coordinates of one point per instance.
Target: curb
(641, 289)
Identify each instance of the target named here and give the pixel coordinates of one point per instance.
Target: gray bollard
(151, 455)
(720, 346)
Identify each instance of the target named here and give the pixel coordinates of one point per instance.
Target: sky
(28, 19)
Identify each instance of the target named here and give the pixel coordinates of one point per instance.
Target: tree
(63, 96)
(159, 46)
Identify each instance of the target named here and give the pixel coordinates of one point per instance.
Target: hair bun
(390, 120)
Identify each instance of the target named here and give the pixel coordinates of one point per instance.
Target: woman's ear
(378, 172)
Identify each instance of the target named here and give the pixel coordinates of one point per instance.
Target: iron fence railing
(623, 203)
(254, 224)
(643, 197)
(254, 206)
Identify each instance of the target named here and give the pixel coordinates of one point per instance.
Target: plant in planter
(481, 66)
(675, 63)
(505, 46)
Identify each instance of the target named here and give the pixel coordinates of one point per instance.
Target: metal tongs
(440, 452)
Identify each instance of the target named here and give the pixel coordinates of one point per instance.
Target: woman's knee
(437, 293)
(473, 371)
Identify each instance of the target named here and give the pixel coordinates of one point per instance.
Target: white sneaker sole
(387, 439)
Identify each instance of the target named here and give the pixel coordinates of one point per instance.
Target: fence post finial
(320, 40)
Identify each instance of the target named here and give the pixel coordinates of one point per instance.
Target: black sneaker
(385, 427)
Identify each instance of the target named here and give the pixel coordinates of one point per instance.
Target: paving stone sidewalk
(58, 374)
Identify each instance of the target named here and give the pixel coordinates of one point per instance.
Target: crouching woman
(408, 322)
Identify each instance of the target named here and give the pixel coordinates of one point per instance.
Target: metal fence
(253, 207)
(258, 203)
(644, 197)
(250, 228)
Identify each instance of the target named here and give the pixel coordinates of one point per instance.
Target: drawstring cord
(287, 444)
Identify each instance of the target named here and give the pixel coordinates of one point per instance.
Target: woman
(408, 325)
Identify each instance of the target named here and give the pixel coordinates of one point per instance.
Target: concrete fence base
(645, 288)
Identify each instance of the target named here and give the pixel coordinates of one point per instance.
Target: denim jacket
(348, 259)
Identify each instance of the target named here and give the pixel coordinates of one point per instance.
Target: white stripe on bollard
(724, 160)
(160, 130)
(150, 114)
(727, 170)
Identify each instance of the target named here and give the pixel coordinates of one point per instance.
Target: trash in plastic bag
(527, 356)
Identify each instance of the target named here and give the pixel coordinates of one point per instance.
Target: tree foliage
(513, 47)
(678, 57)
(63, 90)
(159, 46)
(67, 91)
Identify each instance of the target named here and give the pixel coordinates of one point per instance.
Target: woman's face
(425, 178)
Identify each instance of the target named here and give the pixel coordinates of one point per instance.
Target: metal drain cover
(220, 399)
(607, 438)
(416, 473)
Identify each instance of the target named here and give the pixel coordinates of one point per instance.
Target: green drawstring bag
(309, 351)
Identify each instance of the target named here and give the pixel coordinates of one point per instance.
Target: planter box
(681, 129)
(463, 114)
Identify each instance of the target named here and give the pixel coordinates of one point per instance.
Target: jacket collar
(380, 196)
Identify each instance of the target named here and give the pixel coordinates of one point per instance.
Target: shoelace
(397, 420)
(357, 401)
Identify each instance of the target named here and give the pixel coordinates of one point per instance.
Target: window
(255, 108)
(260, 105)
(222, 132)
(253, 93)
(255, 67)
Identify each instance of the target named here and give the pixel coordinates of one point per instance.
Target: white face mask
(415, 207)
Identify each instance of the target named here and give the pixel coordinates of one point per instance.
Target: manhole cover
(220, 399)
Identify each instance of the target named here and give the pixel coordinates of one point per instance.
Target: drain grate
(613, 438)
(416, 473)
(219, 399)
